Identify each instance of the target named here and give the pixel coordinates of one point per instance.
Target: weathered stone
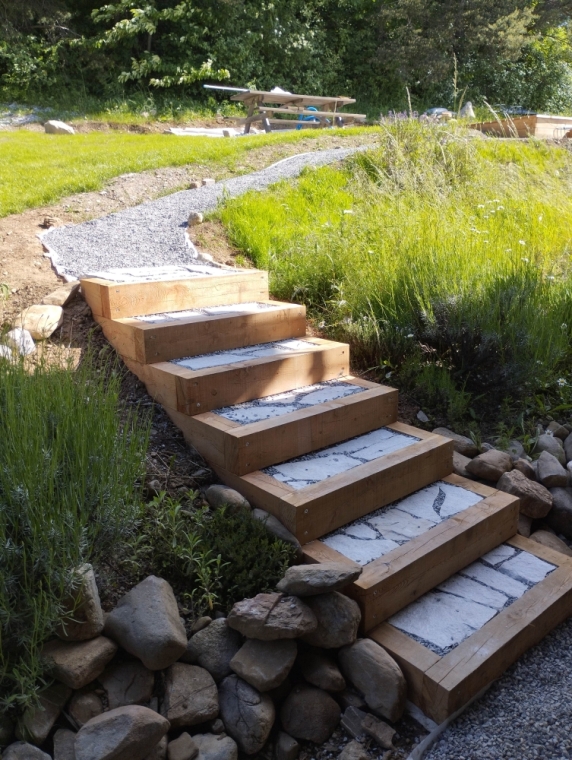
(352, 722)
(546, 538)
(55, 127)
(213, 648)
(264, 664)
(6, 730)
(491, 465)
(64, 742)
(216, 726)
(159, 751)
(460, 463)
(127, 683)
(274, 526)
(338, 620)
(550, 472)
(560, 516)
(146, 624)
(516, 450)
(309, 713)
(461, 443)
(552, 445)
(524, 525)
(208, 181)
(40, 320)
(380, 731)
(247, 714)
(190, 696)
(84, 706)
(215, 747)
(287, 748)
(63, 295)
(126, 733)
(272, 616)
(201, 623)
(77, 663)
(350, 698)
(535, 499)
(371, 670)
(568, 447)
(183, 748)
(557, 430)
(309, 580)
(84, 618)
(524, 466)
(219, 496)
(24, 751)
(36, 722)
(195, 217)
(321, 671)
(353, 751)
(21, 340)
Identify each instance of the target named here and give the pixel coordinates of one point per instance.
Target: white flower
(411, 335)
(348, 211)
(522, 242)
(526, 261)
(342, 303)
(561, 382)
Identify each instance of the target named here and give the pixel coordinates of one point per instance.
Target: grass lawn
(36, 169)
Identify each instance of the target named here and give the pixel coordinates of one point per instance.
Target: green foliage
(441, 258)
(70, 469)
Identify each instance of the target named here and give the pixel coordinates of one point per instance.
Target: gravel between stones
(153, 233)
(526, 714)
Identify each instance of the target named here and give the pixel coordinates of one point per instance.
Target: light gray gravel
(526, 714)
(154, 232)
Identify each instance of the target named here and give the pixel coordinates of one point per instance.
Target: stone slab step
(135, 292)
(266, 431)
(319, 492)
(199, 384)
(456, 639)
(412, 545)
(161, 337)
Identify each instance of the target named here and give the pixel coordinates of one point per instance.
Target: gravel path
(526, 714)
(154, 232)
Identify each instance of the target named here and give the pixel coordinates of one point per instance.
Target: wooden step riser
(401, 576)
(114, 300)
(202, 391)
(150, 343)
(440, 686)
(321, 508)
(241, 449)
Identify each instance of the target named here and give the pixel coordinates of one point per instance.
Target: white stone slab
(399, 525)
(495, 579)
(527, 568)
(457, 499)
(211, 311)
(257, 413)
(248, 353)
(498, 555)
(361, 530)
(360, 551)
(476, 592)
(313, 469)
(160, 274)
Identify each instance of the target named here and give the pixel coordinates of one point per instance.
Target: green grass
(443, 259)
(36, 169)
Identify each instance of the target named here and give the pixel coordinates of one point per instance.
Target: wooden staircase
(447, 587)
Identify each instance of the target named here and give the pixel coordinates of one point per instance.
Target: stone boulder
(213, 648)
(182, 748)
(286, 747)
(159, 751)
(24, 751)
(460, 463)
(146, 624)
(552, 445)
(524, 525)
(524, 466)
(377, 676)
(568, 447)
(546, 538)
(338, 620)
(77, 663)
(21, 341)
(40, 320)
(37, 722)
(190, 696)
(560, 516)
(127, 683)
(535, 499)
(264, 664)
(309, 713)
(379, 731)
(126, 733)
(558, 430)
(461, 444)
(274, 526)
(84, 706)
(64, 744)
(219, 496)
(55, 127)
(550, 472)
(309, 580)
(247, 714)
(84, 618)
(63, 295)
(491, 465)
(213, 747)
(321, 671)
(272, 616)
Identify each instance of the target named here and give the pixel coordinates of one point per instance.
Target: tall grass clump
(71, 464)
(443, 258)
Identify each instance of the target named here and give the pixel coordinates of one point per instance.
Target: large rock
(64, 744)
(524, 466)
(568, 447)
(159, 751)
(146, 624)
(40, 320)
(219, 496)
(55, 127)
(560, 516)
(309, 580)
(126, 733)
(338, 620)
(321, 671)
(286, 748)
(36, 722)
(274, 526)
(21, 341)
(461, 443)
(127, 683)
(24, 751)
(309, 713)
(535, 499)
(213, 648)
(84, 706)
(516, 450)
(552, 445)
(491, 465)
(182, 748)
(83, 616)
(460, 463)
(264, 664)
(371, 670)
(378, 730)
(550, 472)
(272, 616)
(546, 538)
(524, 525)
(77, 663)
(558, 430)
(63, 295)
(190, 696)
(247, 714)
(213, 747)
